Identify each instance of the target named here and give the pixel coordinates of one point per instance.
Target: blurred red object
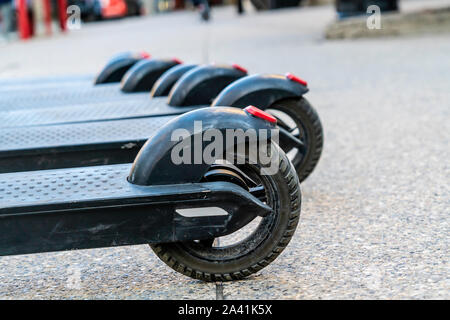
(23, 20)
(47, 16)
(62, 14)
(113, 8)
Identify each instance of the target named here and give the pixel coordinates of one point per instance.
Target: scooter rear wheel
(204, 261)
(300, 118)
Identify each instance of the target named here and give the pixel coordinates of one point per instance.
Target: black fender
(202, 84)
(154, 166)
(165, 83)
(261, 91)
(118, 65)
(143, 75)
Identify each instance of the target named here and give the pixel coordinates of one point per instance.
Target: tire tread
(290, 175)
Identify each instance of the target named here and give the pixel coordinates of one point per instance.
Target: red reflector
(291, 77)
(176, 60)
(260, 114)
(145, 55)
(238, 67)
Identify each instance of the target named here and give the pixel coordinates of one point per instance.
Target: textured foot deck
(34, 82)
(75, 186)
(11, 90)
(18, 140)
(65, 95)
(120, 109)
(64, 185)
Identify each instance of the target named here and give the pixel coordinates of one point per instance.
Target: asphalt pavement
(375, 213)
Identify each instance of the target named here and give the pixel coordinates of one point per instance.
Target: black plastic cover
(143, 75)
(259, 90)
(167, 80)
(116, 67)
(203, 84)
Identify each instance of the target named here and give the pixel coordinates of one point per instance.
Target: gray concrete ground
(404, 22)
(375, 215)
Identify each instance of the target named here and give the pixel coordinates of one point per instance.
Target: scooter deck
(64, 96)
(33, 81)
(49, 89)
(71, 186)
(80, 208)
(11, 90)
(71, 145)
(92, 112)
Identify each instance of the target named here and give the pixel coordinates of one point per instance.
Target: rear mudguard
(143, 75)
(154, 164)
(202, 84)
(259, 90)
(165, 83)
(117, 66)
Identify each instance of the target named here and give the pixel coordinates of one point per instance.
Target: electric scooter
(195, 88)
(180, 209)
(135, 84)
(114, 134)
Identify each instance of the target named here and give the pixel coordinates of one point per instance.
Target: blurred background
(27, 18)
(87, 32)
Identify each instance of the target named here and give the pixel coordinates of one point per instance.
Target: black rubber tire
(306, 117)
(284, 222)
